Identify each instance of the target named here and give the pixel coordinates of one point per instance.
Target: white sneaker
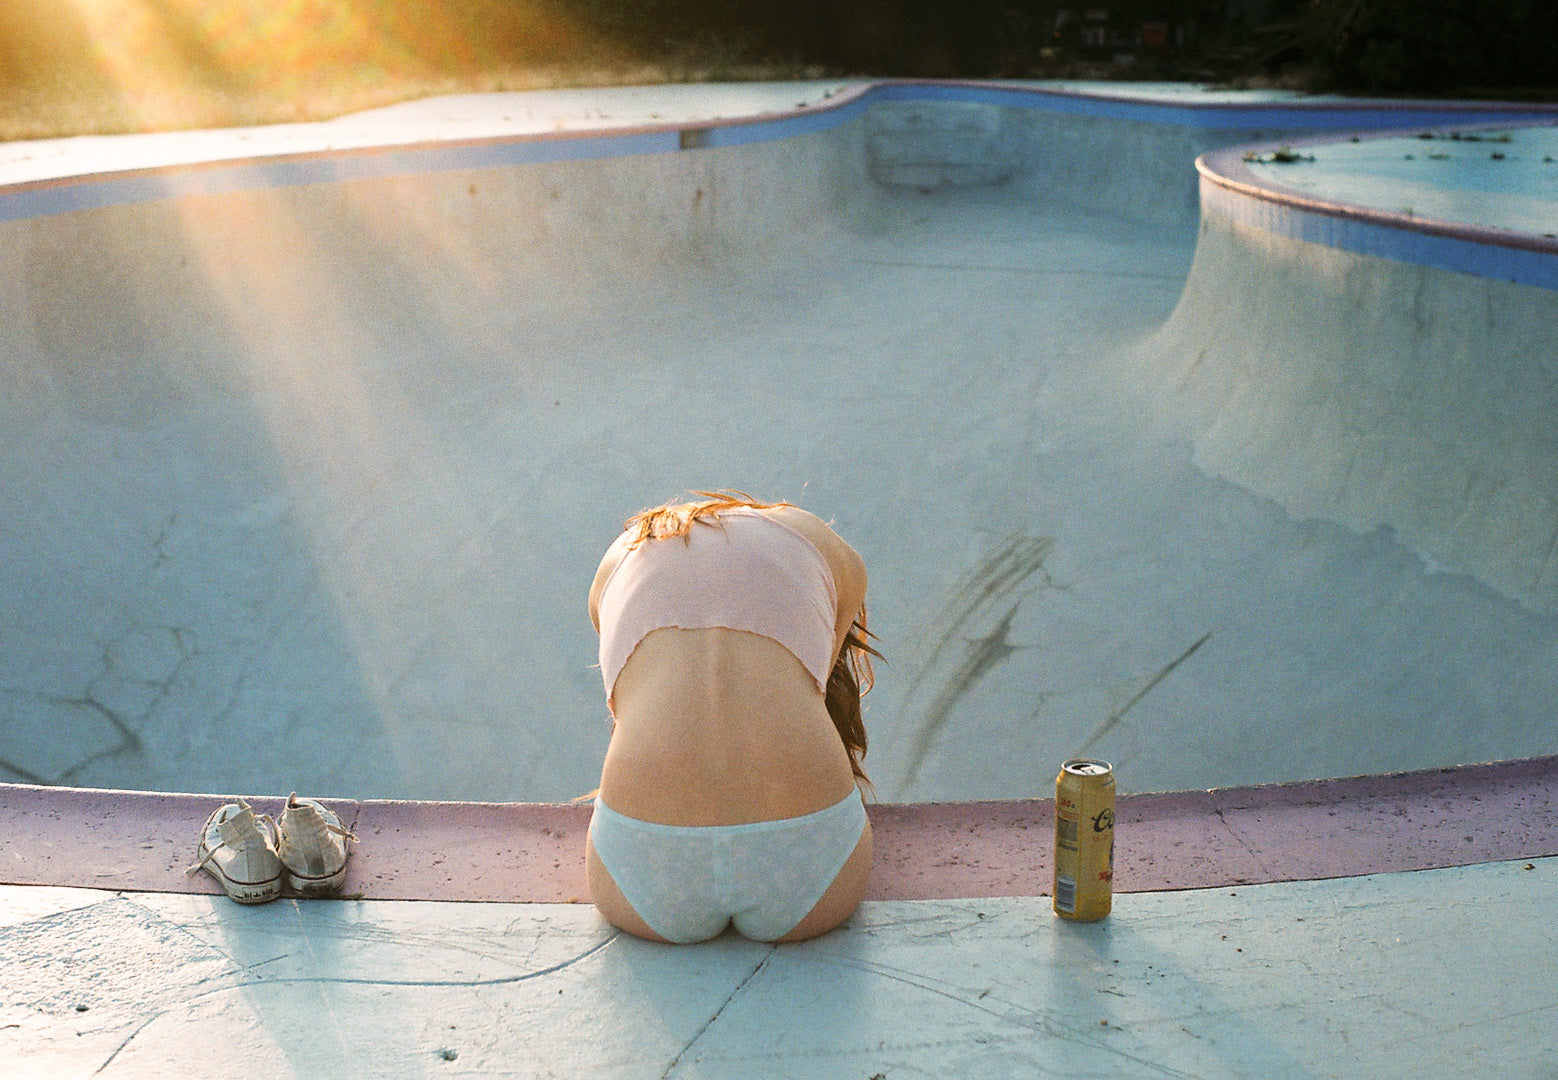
(312, 847)
(239, 850)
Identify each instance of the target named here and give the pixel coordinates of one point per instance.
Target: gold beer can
(1084, 840)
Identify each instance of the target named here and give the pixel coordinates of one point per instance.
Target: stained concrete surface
(1445, 972)
(1501, 178)
(533, 852)
(224, 618)
(304, 486)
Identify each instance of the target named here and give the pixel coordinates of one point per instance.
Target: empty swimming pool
(310, 454)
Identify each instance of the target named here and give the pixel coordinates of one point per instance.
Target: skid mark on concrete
(971, 639)
(1147, 687)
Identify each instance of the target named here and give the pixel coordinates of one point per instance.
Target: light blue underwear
(688, 882)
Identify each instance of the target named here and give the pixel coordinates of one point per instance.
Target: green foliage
(1431, 46)
(1382, 46)
(66, 68)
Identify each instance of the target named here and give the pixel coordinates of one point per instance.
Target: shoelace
(315, 822)
(306, 845)
(312, 823)
(319, 826)
(244, 835)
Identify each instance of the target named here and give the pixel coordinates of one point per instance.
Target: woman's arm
(608, 564)
(849, 569)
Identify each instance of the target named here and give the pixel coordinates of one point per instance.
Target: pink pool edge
(132, 841)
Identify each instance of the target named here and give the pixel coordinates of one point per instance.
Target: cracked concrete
(1284, 982)
(338, 542)
(344, 508)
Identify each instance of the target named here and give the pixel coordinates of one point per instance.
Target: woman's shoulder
(849, 569)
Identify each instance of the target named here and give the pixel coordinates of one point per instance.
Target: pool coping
(316, 159)
(1230, 188)
(136, 841)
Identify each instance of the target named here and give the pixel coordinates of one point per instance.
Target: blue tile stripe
(1231, 191)
(1480, 254)
(1214, 115)
(44, 197)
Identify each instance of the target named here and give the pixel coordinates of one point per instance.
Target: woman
(733, 649)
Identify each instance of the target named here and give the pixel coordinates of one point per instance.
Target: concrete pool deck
(1372, 978)
(1385, 926)
(1270, 932)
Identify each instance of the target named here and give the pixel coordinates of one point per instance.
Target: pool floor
(361, 574)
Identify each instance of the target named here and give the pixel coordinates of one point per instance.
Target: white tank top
(743, 571)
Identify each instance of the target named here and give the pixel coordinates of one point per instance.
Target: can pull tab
(1087, 768)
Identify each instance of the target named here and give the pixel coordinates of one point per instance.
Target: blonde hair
(677, 519)
(851, 676)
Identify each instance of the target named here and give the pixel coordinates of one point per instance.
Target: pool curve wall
(114, 315)
(113, 318)
(1375, 370)
(1101, 151)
